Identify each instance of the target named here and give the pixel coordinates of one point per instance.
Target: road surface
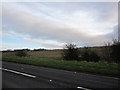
(16, 75)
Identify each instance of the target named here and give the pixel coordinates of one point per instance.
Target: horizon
(50, 25)
(50, 49)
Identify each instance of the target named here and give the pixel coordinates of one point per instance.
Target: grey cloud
(101, 8)
(38, 27)
(112, 35)
(46, 44)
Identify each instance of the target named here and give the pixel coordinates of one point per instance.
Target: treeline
(9, 50)
(22, 52)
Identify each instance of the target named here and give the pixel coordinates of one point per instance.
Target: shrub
(94, 57)
(115, 54)
(90, 56)
(106, 52)
(21, 53)
(71, 52)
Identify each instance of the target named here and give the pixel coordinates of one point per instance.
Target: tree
(115, 54)
(71, 52)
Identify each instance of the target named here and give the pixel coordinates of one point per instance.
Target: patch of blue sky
(19, 42)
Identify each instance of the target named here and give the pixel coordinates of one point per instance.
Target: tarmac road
(16, 75)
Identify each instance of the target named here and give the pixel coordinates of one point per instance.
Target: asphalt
(51, 78)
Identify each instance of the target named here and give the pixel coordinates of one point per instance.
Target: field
(109, 69)
(52, 54)
(47, 54)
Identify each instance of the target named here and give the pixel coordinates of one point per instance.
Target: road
(16, 75)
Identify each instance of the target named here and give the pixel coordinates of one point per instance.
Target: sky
(51, 25)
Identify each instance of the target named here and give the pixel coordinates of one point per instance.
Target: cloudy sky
(52, 24)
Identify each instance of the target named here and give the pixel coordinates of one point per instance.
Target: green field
(109, 69)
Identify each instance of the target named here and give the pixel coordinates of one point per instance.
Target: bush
(86, 54)
(90, 56)
(115, 54)
(21, 53)
(70, 52)
(106, 52)
(94, 57)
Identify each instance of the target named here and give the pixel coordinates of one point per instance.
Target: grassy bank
(110, 69)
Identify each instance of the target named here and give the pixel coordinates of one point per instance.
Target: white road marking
(83, 88)
(18, 72)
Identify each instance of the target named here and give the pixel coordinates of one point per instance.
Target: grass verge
(109, 69)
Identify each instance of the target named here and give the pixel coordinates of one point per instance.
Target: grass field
(47, 54)
(52, 54)
(110, 69)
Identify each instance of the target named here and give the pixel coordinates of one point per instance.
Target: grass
(52, 54)
(47, 54)
(109, 69)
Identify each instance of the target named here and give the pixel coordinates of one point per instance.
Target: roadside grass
(109, 69)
